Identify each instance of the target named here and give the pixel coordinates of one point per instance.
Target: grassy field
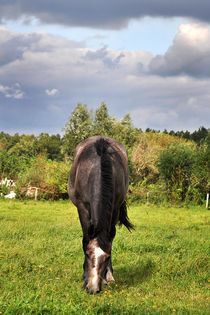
(160, 268)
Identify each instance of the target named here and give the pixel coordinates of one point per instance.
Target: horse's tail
(123, 217)
(106, 205)
(107, 188)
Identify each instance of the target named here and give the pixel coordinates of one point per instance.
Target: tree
(49, 145)
(125, 132)
(200, 135)
(77, 128)
(103, 122)
(81, 125)
(186, 135)
(24, 147)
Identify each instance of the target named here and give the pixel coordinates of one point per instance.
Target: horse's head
(97, 261)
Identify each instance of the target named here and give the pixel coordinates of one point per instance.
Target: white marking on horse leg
(98, 252)
(109, 275)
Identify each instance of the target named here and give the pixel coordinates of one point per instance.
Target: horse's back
(85, 173)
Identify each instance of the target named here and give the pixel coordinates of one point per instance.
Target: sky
(149, 58)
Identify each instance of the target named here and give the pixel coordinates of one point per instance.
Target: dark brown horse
(97, 185)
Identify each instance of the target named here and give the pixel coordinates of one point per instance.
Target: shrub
(145, 156)
(49, 176)
(199, 185)
(175, 166)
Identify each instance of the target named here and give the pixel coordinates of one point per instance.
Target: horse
(97, 185)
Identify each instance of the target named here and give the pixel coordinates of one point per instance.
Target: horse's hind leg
(109, 271)
(85, 223)
(85, 264)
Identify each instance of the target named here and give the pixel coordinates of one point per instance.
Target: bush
(175, 166)
(11, 164)
(199, 185)
(145, 156)
(50, 177)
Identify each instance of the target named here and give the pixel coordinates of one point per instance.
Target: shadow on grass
(134, 274)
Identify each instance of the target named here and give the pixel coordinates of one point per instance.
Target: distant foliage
(77, 128)
(83, 123)
(169, 163)
(49, 176)
(175, 166)
(199, 136)
(200, 185)
(146, 153)
(11, 164)
(49, 145)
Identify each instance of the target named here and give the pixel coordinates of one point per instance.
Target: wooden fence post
(147, 197)
(207, 201)
(36, 193)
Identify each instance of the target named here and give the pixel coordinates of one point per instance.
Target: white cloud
(51, 92)
(12, 91)
(123, 79)
(189, 54)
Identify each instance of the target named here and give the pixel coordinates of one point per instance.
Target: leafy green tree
(77, 128)
(81, 125)
(199, 135)
(186, 135)
(103, 122)
(49, 145)
(18, 155)
(8, 140)
(125, 132)
(11, 164)
(24, 147)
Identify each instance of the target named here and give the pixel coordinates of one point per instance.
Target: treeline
(175, 163)
(198, 135)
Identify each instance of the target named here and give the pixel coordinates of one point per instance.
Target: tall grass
(160, 268)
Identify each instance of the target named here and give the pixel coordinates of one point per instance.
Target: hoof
(104, 282)
(84, 285)
(109, 276)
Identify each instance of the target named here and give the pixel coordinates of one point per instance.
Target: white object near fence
(11, 195)
(32, 191)
(207, 201)
(7, 182)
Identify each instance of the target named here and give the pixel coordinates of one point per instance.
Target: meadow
(160, 268)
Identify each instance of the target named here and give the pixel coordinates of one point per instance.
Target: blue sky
(150, 59)
(138, 35)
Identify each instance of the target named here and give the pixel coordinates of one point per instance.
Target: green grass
(160, 268)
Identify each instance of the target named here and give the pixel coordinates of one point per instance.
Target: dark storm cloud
(101, 14)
